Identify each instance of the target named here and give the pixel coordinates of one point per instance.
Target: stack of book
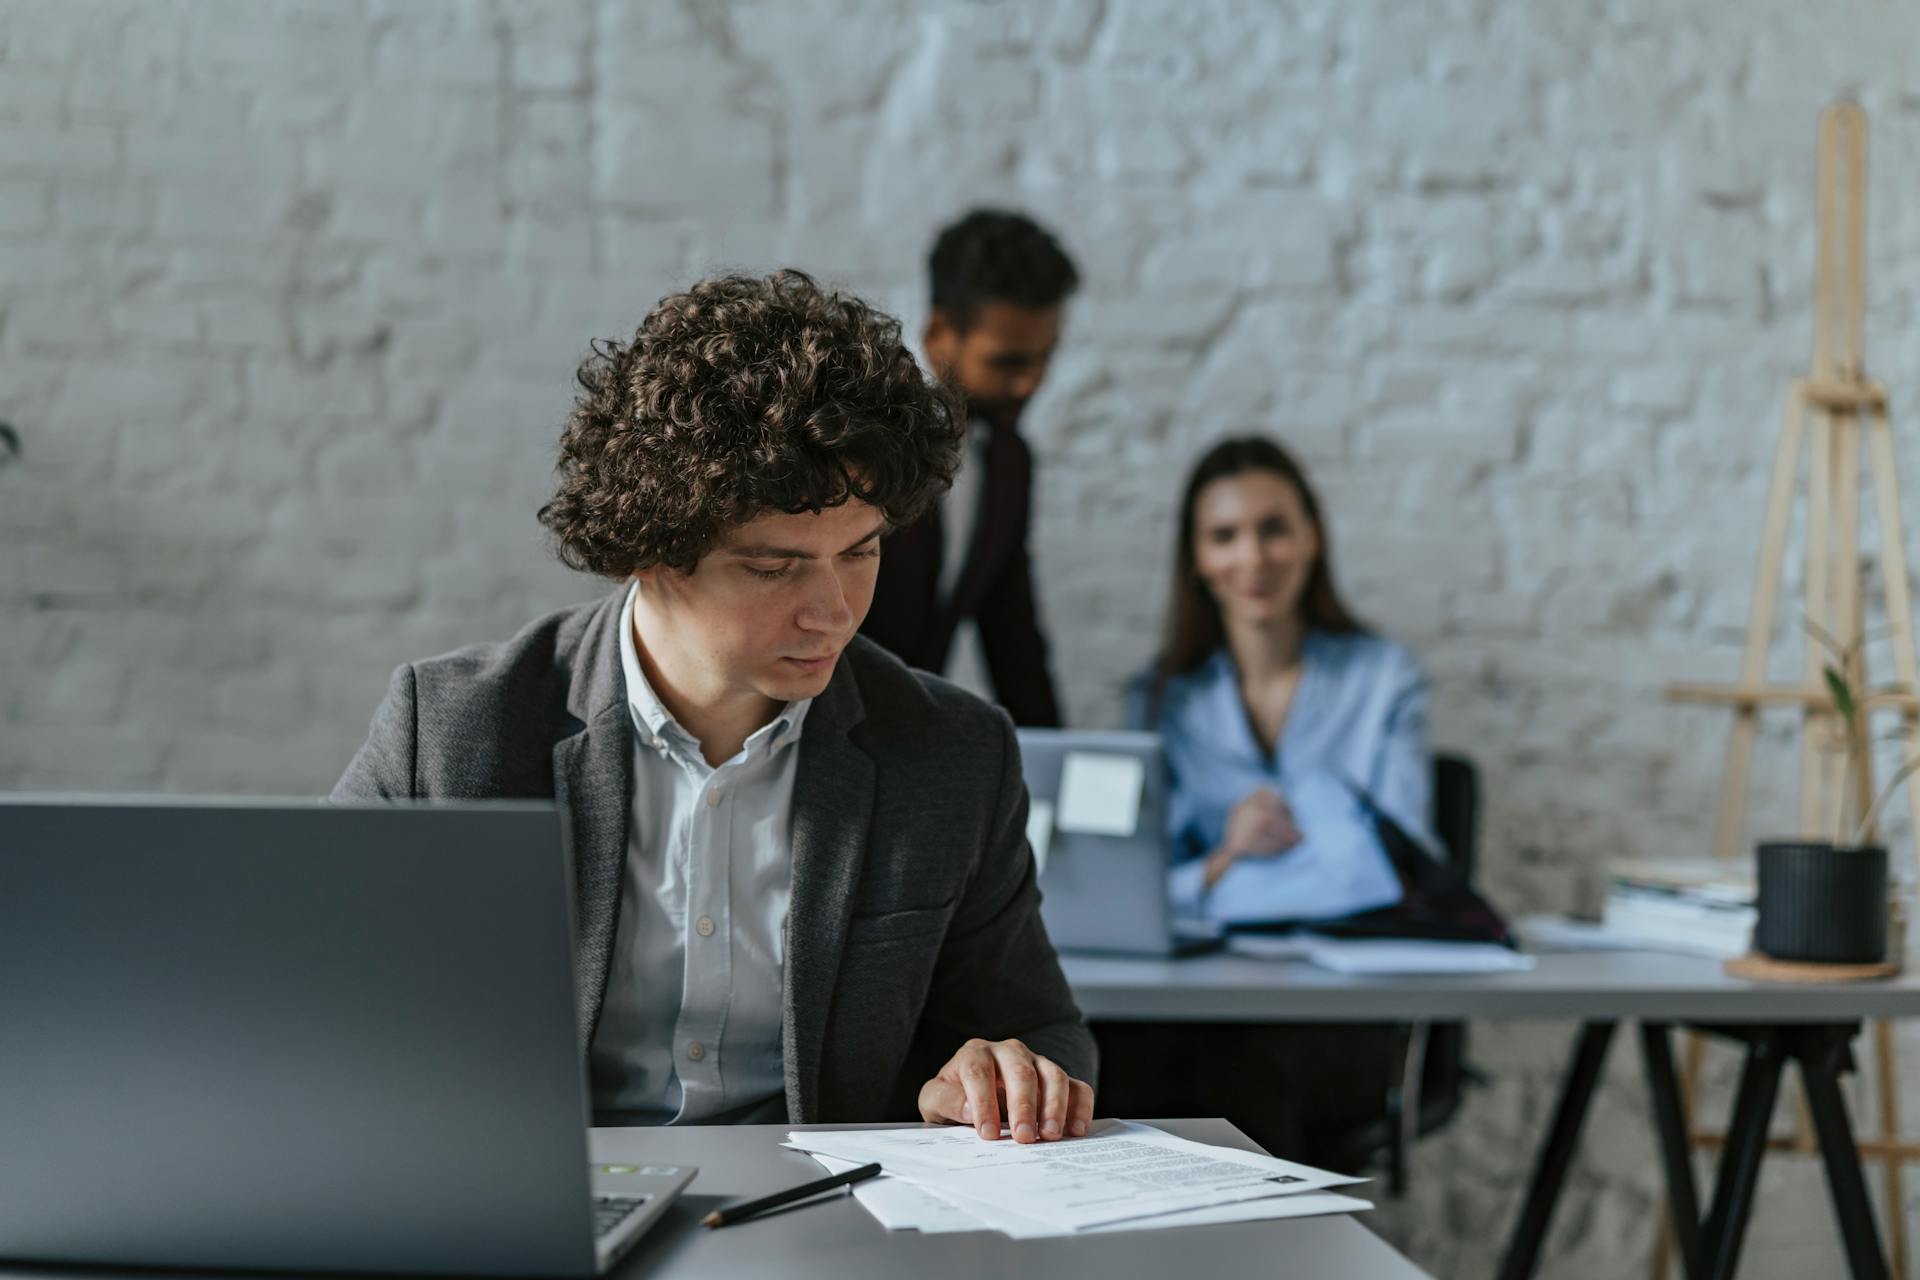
(1699, 907)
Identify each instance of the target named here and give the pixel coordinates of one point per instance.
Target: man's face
(997, 362)
(769, 610)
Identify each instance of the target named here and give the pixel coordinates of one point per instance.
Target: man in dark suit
(802, 882)
(999, 287)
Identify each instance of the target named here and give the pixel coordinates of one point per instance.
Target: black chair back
(1456, 818)
(1445, 1074)
(1456, 808)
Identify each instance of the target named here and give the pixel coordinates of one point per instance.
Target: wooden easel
(1828, 411)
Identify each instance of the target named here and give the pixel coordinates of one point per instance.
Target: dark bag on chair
(1438, 904)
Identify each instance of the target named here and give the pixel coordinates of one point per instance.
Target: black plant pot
(1822, 903)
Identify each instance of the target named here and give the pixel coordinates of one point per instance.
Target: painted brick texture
(291, 295)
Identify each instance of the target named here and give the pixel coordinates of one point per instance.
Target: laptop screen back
(290, 1036)
(1097, 802)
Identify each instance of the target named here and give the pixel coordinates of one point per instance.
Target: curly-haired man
(803, 886)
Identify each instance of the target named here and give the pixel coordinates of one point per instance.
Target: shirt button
(713, 798)
(704, 926)
(696, 1051)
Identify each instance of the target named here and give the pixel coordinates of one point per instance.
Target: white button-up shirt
(960, 509)
(690, 1027)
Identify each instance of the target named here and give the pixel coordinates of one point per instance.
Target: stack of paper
(1121, 1177)
(1381, 955)
(1699, 906)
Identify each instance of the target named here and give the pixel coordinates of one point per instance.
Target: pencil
(748, 1208)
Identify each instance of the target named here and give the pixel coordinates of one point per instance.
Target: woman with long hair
(1272, 698)
(1290, 730)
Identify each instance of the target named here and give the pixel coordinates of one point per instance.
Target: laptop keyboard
(610, 1211)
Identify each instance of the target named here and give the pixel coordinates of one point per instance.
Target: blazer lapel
(592, 784)
(832, 811)
(593, 787)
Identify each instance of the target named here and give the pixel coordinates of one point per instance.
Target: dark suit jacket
(995, 588)
(914, 922)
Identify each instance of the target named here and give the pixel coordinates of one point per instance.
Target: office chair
(1436, 1073)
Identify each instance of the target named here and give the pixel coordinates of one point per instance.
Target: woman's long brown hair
(1195, 630)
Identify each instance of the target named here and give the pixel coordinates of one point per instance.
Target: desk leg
(1746, 1143)
(1670, 1121)
(1820, 1063)
(1556, 1153)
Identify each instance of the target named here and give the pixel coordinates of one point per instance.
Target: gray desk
(1811, 1027)
(840, 1239)
(1586, 985)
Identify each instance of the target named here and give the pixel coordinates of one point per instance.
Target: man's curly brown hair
(739, 397)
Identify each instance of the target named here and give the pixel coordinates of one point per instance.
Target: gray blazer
(914, 921)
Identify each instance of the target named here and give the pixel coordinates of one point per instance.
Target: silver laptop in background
(1097, 821)
(271, 1035)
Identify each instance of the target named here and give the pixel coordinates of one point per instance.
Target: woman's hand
(1260, 826)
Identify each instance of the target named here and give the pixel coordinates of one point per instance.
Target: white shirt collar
(657, 726)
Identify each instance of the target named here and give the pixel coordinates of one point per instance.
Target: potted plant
(1825, 901)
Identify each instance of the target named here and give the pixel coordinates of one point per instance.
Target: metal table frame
(1811, 1026)
(1709, 1249)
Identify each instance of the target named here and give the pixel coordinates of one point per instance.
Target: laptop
(283, 1036)
(1097, 822)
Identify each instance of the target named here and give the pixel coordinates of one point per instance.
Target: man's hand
(990, 1078)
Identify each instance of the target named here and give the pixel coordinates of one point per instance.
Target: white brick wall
(290, 297)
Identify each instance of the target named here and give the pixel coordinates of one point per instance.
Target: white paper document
(1039, 833)
(1271, 946)
(1100, 793)
(900, 1205)
(1121, 1173)
(1392, 955)
(1381, 955)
